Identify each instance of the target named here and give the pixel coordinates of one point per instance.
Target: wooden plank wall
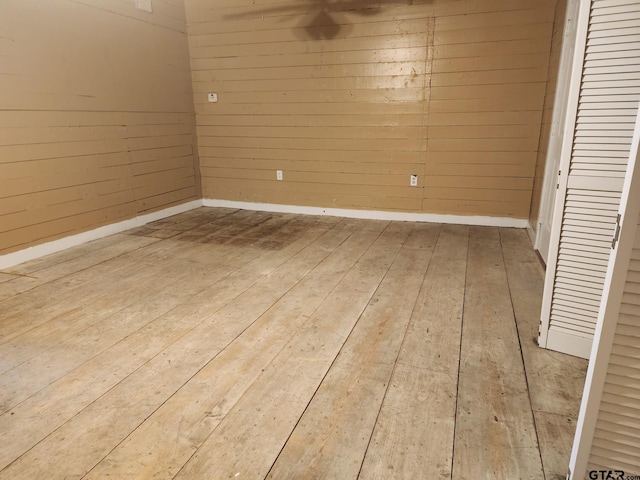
(349, 98)
(96, 116)
(547, 115)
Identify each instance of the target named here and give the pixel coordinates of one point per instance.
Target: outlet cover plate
(144, 5)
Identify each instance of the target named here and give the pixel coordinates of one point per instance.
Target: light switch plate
(144, 5)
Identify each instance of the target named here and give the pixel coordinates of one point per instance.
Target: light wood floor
(222, 344)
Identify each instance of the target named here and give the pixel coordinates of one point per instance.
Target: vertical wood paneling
(351, 100)
(96, 116)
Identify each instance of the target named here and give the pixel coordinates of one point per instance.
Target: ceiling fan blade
(323, 26)
(357, 7)
(254, 12)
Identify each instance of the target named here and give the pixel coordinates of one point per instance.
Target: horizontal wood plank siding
(352, 100)
(96, 116)
(507, 100)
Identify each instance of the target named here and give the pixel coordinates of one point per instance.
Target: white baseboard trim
(372, 214)
(37, 251)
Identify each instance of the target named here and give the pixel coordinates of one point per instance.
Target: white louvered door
(608, 427)
(596, 152)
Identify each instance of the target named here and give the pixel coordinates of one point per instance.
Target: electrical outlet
(144, 5)
(212, 97)
(278, 174)
(413, 180)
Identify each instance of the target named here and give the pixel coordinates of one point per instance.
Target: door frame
(554, 148)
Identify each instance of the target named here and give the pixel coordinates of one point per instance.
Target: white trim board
(554, 144)
(571, 344)
(37, 251)
(531, 232)
(372, 214)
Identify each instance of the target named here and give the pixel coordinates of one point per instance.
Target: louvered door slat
(560, 303)
(604, 25)
(622, 39)
(617, 132)
(615, 3)
(625, 367)
(615, 32)
(612, 47)
(594, 240)
(584, 301)
(604, 112)
(594, 109)
(616, 8)
(611, 62)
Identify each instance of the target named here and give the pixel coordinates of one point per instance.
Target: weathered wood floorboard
(234, 344)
